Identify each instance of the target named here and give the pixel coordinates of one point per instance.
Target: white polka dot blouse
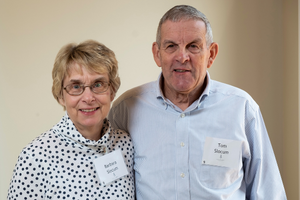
(59, 165)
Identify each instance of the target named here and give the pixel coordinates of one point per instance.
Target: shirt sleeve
(27, 181)
(118, 117)
(262, 176)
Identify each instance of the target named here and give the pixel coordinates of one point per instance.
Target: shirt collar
(205, 93)
(159, 93)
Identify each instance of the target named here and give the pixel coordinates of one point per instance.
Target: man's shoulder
(136, 92)
(224, 89)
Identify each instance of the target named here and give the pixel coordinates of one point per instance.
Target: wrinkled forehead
(183, 28)
(187, 22)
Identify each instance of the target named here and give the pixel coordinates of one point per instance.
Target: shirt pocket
(219, 177)
(221, 163)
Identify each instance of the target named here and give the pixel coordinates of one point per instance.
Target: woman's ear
(62, 102)
(112, 94)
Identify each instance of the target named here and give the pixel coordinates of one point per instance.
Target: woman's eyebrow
(95, 80)
(100, 79)
(75, 81)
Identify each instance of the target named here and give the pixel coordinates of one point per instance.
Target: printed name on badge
(222, 152)
(110, 167)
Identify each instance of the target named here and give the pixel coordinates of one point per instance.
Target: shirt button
(182, 144)
(182, 115)
(182, 175)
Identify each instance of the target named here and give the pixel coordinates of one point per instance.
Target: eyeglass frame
(90, 86)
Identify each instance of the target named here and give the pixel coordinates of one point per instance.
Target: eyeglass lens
(77, 88)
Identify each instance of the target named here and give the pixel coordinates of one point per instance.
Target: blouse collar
(68, 129)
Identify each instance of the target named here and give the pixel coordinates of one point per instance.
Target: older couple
(183, 136)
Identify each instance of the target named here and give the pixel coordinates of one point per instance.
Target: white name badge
(222, 152)
(110, 167)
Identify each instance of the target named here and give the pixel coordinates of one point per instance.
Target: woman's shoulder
(119, 135)
(120, 139)
(47, 138)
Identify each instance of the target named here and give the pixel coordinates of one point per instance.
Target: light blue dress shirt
(169, 145)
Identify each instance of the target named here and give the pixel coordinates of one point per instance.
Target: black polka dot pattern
(59, 165)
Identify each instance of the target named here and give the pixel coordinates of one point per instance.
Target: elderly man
(195, 138)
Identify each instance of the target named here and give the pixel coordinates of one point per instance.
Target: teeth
(90, 110)
(180, 70)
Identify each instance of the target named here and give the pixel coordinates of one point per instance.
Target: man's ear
(156, 53)
(213, 51)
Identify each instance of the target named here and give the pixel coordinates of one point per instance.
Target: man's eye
(171, 48)
(194, 48)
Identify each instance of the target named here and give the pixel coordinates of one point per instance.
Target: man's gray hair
(185, 12)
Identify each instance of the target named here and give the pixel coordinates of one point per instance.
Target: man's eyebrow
(168, 42)
(197, 40)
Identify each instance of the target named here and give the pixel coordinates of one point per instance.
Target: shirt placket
(182, 157)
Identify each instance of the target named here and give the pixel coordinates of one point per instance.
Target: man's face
(183, 56)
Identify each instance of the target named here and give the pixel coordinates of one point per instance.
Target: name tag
(110, 167)
(222, 152)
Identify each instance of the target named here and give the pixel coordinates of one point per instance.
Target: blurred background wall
(259, 51)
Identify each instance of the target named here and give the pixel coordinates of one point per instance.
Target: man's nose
(182, 55)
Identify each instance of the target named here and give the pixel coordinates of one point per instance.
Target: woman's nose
(88, 95)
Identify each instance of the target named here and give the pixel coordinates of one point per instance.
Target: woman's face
(87, 110)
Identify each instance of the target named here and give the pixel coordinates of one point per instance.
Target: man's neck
(182, 100)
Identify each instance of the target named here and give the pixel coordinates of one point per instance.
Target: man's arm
(118, 117)
(262, 175)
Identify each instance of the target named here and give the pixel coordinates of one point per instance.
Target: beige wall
(258, 53)
(290, 162)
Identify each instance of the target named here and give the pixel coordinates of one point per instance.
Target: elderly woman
(82, 156)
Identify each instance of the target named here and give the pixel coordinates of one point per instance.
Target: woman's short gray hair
(185, 12)
(90, 54)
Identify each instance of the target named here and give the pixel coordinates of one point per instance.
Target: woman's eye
(98, 84)
(76, 86)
